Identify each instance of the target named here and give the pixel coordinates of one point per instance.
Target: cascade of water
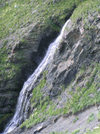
(27, 87)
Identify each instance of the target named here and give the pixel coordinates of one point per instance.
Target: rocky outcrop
(72, 78)
(75, 123)
(16, 67)
(22, 48)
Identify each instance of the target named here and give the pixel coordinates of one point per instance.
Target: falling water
(28, 85)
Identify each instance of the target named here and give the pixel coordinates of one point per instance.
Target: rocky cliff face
(23, 43)
(70, 83)
(17, 63)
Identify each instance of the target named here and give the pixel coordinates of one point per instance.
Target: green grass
(37, 94)
(79, 100)
(7, 69)
(76, 131)
(40, 103)
(66, 132)
(98, 116)
(86, 8)
(91, 118)
(16, 14)
(43, 106)
(76, 119)
(88, 95)
(95, 131)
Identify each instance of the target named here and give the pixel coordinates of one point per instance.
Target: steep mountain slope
(26, 29)
(71, 82)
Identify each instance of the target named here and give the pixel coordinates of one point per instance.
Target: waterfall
(28, 85)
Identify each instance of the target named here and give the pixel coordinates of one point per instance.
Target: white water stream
(28, 85)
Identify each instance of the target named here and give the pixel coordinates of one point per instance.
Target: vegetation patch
(98, 116)
(76, 131)
(40, 103)
(76, 119)
(89, 95)
(84, 9)
(7, 69)
(43, 106)
(66, 132)
(94, 131)
(91, 118)
(16, 14)
(80, 99)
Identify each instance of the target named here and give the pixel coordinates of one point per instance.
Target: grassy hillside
(15, 14)
(85, 8)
